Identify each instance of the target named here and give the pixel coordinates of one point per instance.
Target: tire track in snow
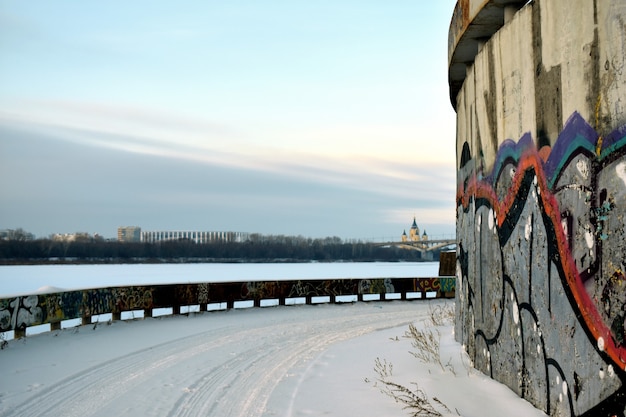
(229, 370)
(83, 394)
(250, 388)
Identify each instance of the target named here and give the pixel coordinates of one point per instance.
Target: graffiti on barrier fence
(98, 301)
(263, 290)
(322, 288)
(132, 298)
(541, 260)
(203, 293)
(186, 294)
(20, 312)
(428, 285)
(59, 306)
(376, 286)
(447, 285)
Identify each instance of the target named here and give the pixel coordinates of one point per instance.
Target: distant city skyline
(136, 233)
(324, 119)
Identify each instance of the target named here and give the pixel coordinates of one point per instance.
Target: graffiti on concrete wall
(541, 267)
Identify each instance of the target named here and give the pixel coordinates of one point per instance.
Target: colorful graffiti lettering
(429, 285)
(542, 248)
(447, 285)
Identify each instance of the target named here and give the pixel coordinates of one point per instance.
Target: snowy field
(306, 360)
(33, 279)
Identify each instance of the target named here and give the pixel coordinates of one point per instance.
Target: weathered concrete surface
(473, 23)
(541, 200)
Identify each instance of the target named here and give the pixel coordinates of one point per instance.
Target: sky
(325, 118)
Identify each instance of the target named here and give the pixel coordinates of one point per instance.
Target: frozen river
(31, 279)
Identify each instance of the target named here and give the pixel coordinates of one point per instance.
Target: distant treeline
(257, 249)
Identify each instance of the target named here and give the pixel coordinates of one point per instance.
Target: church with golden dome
(414, 234)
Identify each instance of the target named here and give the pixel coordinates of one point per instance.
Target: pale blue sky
(314, 118)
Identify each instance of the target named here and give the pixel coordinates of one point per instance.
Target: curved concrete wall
(541, 198)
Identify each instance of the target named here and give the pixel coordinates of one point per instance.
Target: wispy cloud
(159, 134)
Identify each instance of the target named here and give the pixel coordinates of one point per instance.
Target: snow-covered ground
(32, 279)
(305, 360)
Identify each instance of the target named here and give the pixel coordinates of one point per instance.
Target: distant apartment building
(129, 234)
(195, 236)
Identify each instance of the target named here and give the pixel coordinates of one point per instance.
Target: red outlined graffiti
(573, 196)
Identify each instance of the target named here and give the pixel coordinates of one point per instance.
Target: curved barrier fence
(18, 313)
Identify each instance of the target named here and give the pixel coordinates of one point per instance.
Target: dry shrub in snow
(441, 315)
(414, 400)
(426, 343)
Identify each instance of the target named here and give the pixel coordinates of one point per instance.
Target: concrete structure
(540, 93)
(195, 236)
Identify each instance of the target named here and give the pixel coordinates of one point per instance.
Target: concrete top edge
(473, 23)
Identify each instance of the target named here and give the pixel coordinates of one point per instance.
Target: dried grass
(414, 399)
(426, 345)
